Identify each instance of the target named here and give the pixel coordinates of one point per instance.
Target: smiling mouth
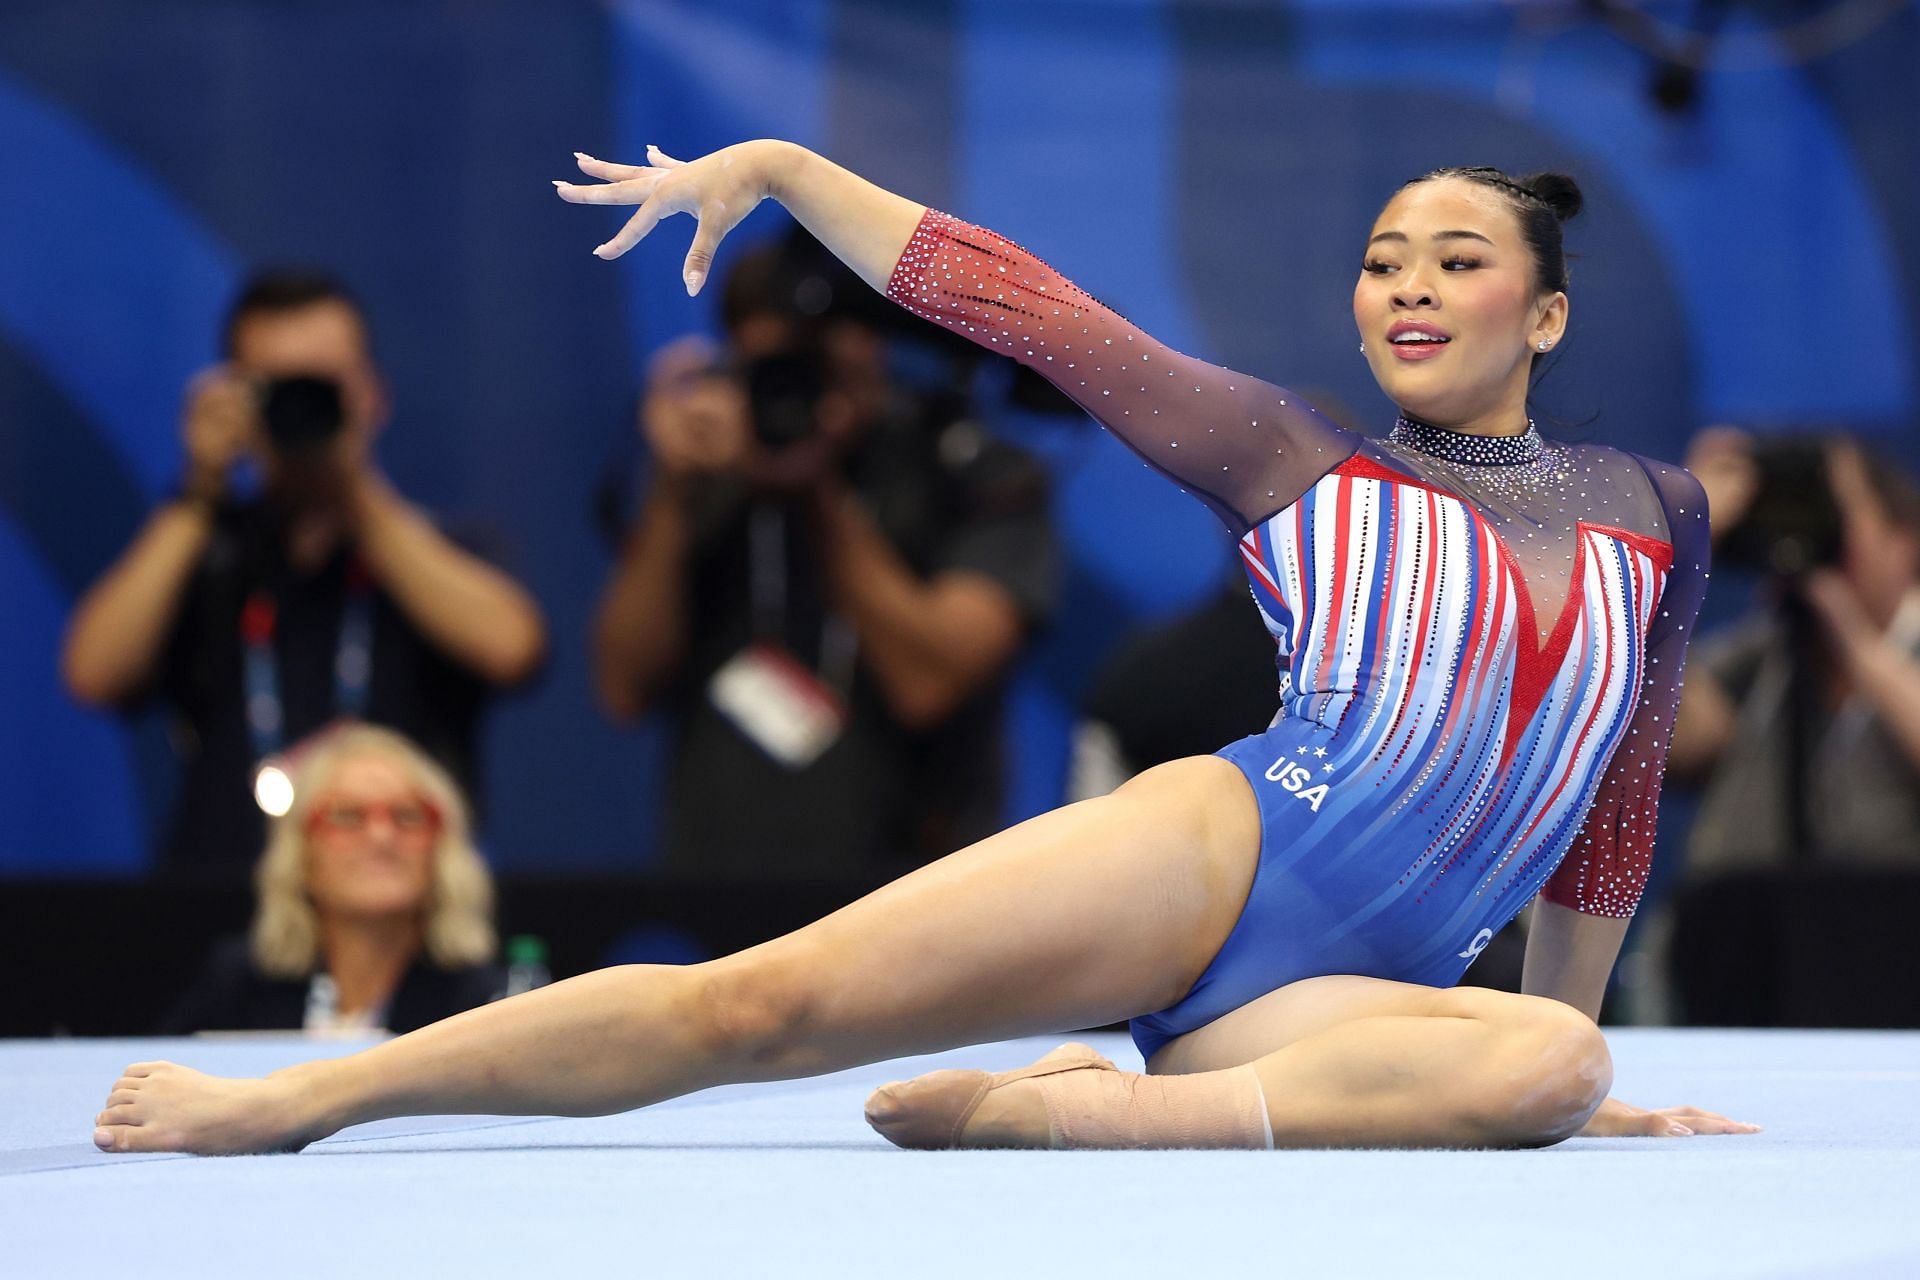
(1414, 345)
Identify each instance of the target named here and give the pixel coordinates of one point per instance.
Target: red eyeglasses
(414, 817)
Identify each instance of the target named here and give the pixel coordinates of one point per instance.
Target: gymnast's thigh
(1078, 917)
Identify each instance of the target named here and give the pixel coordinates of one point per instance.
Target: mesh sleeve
(1244, 447)
(1605, 872)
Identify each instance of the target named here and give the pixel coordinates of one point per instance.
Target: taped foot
(958, 1108)
(1074, 1099)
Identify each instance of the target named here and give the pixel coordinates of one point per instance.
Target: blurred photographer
(262, 619)
(826, 583)
(1802, 723)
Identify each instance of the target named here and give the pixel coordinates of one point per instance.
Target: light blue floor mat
(787, 1180)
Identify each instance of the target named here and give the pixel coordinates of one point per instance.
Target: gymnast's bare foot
(158, 1106)
(945, 1109)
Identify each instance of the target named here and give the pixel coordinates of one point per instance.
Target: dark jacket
(231, 995)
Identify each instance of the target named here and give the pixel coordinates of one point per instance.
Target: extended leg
(1089, 914)
(1335, 1062)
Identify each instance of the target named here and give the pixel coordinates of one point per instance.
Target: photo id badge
(780, 706)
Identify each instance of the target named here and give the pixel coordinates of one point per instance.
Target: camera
(302, 415)
(783, 394)
(1794, 524)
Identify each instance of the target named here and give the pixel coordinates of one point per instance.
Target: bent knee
(752, 1013)
(1557, 1071)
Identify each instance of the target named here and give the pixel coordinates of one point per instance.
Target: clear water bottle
(526, 964)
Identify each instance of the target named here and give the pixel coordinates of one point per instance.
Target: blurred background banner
(1210, 170)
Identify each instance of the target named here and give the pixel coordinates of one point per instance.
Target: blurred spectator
(826, 583)
(1802, 722)
(1183, 688)
(260, 620)
(374, 911)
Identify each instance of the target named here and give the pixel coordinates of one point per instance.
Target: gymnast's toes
(927, 1113)
(974, 1109)
(123, 1137)
(163, 1107)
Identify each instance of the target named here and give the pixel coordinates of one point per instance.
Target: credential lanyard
(767, 591)
(352, 661)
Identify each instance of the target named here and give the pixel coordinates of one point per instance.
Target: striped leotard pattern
(1479, 641)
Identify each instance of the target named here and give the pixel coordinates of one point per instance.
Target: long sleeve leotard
(1480, 640)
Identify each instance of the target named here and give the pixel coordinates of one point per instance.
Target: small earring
(1363, 348)
(1543, 346)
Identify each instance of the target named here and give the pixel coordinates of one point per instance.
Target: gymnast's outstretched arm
(1244, 447)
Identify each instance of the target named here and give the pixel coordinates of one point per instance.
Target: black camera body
(1794, 523)
(302, 415)
(783, 394)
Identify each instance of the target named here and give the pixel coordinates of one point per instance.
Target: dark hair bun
(1557, 191)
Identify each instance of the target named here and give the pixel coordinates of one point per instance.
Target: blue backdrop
(1210, 169)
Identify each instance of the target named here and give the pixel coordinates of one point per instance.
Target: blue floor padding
(784, 1180)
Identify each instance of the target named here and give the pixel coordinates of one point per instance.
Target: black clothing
(1184, 687)
(1863, 791)
(231, 995)
(414, 688)
(881, 797)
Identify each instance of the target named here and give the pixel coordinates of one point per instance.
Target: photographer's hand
(1885, 674)
(472, 611)
(1721, 459)
(220, 425)
(694, 420)
(930, 643)
(695, 423)
(119, 627)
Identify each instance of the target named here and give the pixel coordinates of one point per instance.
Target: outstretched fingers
(607, 170)
(660, 189)
(1699, 1121)
(622, 191)
(713, 226)
(633, 232)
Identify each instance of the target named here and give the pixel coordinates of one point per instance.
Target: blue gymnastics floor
(787, 1180)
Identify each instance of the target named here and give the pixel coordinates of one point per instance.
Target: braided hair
(1541, 202)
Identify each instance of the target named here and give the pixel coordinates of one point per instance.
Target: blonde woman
(374, 909)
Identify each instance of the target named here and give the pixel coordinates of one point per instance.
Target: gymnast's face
(1448, 309)
(371, 838)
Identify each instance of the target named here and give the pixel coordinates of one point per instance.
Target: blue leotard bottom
(1324, 897)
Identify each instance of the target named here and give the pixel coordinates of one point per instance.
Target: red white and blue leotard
(1480, 640)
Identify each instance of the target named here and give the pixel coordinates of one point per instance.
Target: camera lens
(783, 392)
(303, 414)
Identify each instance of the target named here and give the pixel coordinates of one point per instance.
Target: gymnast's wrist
(781, 164)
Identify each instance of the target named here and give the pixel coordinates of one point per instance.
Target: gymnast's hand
(718, 190)
(1616, 1119)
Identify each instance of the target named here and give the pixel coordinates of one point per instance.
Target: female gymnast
(1480, 634)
